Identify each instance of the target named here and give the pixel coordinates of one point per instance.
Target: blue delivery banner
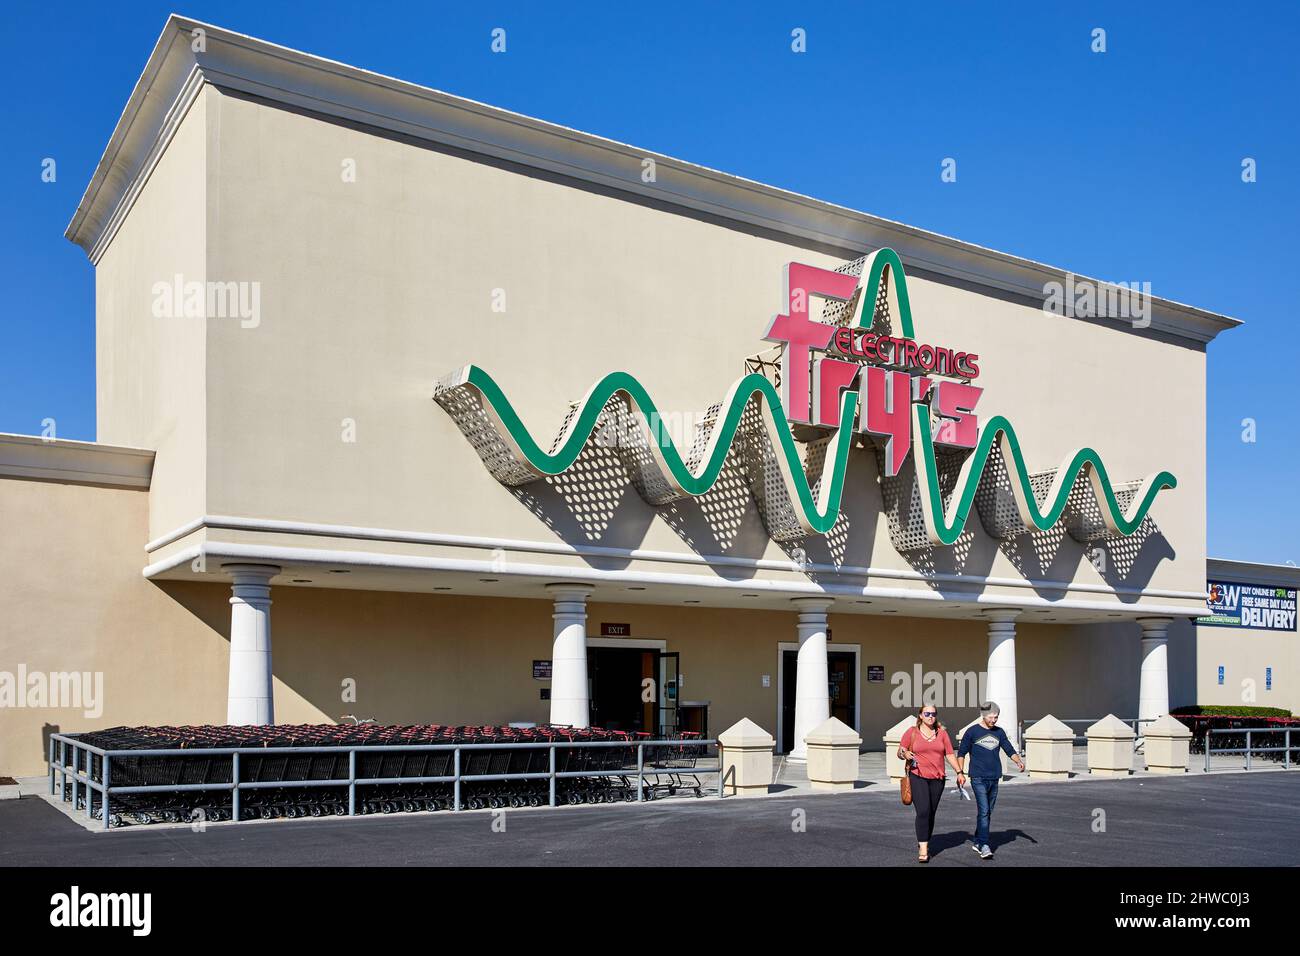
(1251, 606)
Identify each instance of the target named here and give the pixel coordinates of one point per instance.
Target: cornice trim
(239, 63)
(940, 580)
(74, 462)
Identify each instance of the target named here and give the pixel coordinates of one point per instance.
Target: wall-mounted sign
(615, 630)
(1220, 675)
(860, 377)
(875, 673)
(1254, 606)
(1268, 678)
(541, 670)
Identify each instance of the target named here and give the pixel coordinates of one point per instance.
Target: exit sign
(615, 630)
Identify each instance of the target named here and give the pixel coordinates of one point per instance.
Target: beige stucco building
(292, 254)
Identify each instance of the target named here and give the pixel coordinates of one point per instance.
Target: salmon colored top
(929, 753)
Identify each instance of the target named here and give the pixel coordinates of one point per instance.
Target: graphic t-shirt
(983, 745)
(929, 753)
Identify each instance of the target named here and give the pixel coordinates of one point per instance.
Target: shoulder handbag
(905, 786)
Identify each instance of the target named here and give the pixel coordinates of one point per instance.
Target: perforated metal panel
(901, 498)
(763, 474)
(995, 503)
(723, 507)
(1083, 521)
(631, 441)
(465, 406)
(839, 313)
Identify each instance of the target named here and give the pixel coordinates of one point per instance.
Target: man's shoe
(986, 853)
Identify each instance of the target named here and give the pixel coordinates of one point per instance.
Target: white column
(570, 701)
(1001, 683)
(1153, 690)
(249, 699)
(812, 699)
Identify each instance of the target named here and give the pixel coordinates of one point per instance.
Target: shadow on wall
(1039, 556)
(596, 503)
(1183, 664)
(46, 732)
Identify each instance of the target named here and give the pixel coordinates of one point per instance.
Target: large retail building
(414, 408)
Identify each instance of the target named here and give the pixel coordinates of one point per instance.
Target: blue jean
(986, 795)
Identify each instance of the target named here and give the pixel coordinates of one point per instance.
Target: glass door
(670, 685)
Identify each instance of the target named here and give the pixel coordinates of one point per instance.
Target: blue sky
(1124, 165)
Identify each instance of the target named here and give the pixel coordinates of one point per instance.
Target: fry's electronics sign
(844, 381)
(891, 372)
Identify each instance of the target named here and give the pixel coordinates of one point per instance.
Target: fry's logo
(811, 387)
(870, 382)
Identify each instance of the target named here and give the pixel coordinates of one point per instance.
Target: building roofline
(1254, 571)
(74, 462)
(175, 73)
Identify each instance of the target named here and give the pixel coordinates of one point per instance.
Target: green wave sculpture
(471, 395)
(813, 488)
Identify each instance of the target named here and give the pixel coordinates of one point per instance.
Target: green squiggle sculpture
(816, 513)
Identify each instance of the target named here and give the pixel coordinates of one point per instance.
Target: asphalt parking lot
(1230, 819)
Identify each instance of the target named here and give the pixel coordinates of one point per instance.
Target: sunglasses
(928, 713)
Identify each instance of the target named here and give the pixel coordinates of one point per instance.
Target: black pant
(926, 792)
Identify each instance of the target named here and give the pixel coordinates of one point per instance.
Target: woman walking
(924, 748)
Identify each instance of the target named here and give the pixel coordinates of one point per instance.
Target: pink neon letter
(955, 403)
(829, 377)
(887, 411)
(800, 334)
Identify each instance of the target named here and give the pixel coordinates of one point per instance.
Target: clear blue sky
(1122, 165)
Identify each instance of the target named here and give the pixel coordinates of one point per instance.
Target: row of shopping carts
(296, 784)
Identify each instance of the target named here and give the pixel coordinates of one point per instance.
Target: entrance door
(670, 666)
(842, 687)
(618, 677)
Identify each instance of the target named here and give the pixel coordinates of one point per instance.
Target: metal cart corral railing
(65, 746)
(1087, 722)
(1285, 749)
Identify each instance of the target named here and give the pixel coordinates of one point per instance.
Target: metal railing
(81, 775)
(1088, 722)
(1248, 750)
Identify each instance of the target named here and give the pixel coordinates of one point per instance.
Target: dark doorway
(841, 669)
(618, 677)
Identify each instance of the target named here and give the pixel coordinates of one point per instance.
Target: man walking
(982, 742)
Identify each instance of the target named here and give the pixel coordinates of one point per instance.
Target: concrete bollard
(1168, 745)
(746, 758)
(1002, 754)
(833, 755)
(1049, 749)
(893, 736)
(1110, 747)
